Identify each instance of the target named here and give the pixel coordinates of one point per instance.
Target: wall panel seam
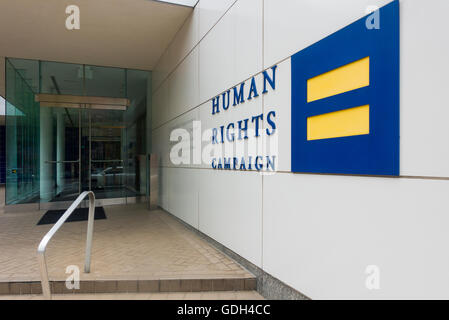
(209, 99)
(400, 177)
(193, 48)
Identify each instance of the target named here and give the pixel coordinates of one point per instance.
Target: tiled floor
(132, 243)
(223, 295)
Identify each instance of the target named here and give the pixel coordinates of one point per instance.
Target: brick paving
(132, 243)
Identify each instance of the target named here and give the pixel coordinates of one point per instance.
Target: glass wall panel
(107, 158)
(29, 70)
(2, 141)
(22, 139)
(105, 82)
(61, 78)
(54, 152)
(59, 167)
(135, 144)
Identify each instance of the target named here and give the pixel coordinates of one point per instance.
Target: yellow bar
(343, 123)
(349, 77)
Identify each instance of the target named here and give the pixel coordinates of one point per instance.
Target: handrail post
(46, 291)
(44, 276)
(90, 231)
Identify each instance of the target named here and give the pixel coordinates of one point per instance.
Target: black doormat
(80, 214)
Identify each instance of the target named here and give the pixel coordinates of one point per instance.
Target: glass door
(106, 148)
(87, 149)
(59, 150)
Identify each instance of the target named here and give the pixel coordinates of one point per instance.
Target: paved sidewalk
(132, 243)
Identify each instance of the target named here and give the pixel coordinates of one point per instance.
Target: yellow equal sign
(349, 77)
(342, 123)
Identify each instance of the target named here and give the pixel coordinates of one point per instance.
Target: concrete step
(132, 286)
(209, 295)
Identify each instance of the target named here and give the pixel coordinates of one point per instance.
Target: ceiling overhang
(186, 3)
(128, 34)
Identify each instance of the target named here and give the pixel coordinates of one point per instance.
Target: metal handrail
(46, 239)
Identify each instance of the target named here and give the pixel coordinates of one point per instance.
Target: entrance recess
(84, 148)
(72, 128)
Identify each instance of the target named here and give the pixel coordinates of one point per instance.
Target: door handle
(74, 161)
(102, 161)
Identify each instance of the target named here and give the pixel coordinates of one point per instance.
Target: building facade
(318, 233)
(308, 138)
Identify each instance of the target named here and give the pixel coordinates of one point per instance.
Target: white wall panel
(232, 51)
(217, 60)
(164, 187)
(162, 69)
(202, 19)
(183, 86)
(160, 106)
(183, 196)
(247, 18)
(184, 41)
(210, 11)
(424, 70)
(321, 232)
(161, 144)
(204, 116)
(230, 210)
(156, 143)
(292, 25)
(186, 38)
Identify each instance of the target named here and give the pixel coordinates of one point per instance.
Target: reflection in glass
(61, 78)
(105, 82)
(106, 173)
(22, 139)
(59, 180)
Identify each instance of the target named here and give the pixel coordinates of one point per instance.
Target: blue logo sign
(345, 100)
